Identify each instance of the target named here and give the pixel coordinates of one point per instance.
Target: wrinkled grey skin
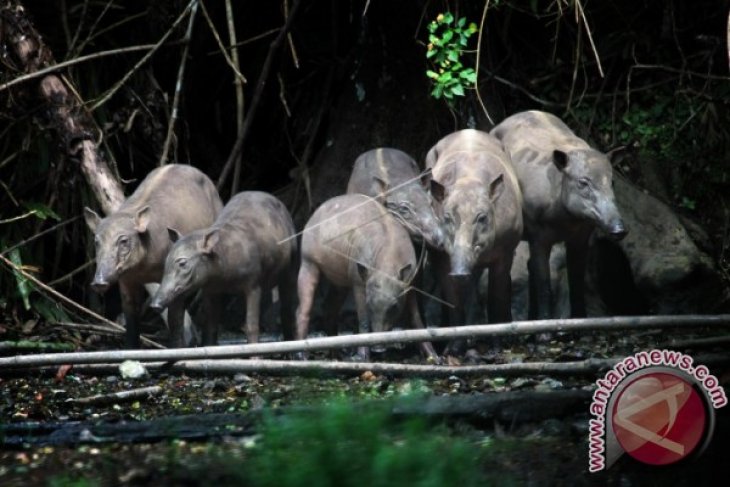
(394, 179)
(355, 243)
(132, 243)
(250, 248)
(482, 216)
(567, 188)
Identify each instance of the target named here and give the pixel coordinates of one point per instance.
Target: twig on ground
(132, 394)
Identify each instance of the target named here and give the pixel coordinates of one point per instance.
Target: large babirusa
(482, 219)
(567, 189)
(132, 243)
(249, 249)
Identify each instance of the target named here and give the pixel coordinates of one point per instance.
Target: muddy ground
(550, 451)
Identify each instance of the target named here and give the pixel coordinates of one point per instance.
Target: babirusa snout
(156, 304)
(99, 285)
(436, 238)
(462, 261)
(103, 279)
(611, 222)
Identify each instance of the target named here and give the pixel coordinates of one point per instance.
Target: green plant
(346, 445)
(448, 38)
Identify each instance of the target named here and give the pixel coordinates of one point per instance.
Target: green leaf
(437, 91)
(473, 27)
(453, 56)
(41, 210)
(448, 94)
(432, 27)
(461, 22)
(22, 283)
(430, 53)
(444, 77)
(50, 311)
(448, 18)
(432, 74)
(448, 35)
(458, 90)
(470, 75)
(434, 40)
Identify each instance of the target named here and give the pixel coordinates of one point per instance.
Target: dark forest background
(650, 77)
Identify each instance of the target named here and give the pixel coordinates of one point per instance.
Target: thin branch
(93, 27)
(605, 324)
(69, 275)
(71, 62)
(39, 234)
(178, 86)
(579, 8)
(293, 49)
(256, 100)
(222, 49)
(239, 94)
(479, 52)
(90, 328)
(129, 395)
(144, 59)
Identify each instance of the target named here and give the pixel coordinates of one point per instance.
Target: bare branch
(69, 301)
(71, 62)
(178, 86)
(256, 100)
(605, 324)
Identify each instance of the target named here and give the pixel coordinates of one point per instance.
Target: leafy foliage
(348, 445)
(447, 41)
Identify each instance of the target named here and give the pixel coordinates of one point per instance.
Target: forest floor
(552, 451)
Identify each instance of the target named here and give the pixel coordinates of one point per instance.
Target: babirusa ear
(560, 159)
(174, 234)
(362, 270)
(496, 187)
(210, 240)
(405, 273)
(142, 220)
(92, 218)
(426, 178)
(438, 191)
(381, 187)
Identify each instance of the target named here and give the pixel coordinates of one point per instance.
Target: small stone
(132, 369)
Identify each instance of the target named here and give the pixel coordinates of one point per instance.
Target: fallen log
(582, 368)
(515, 407)
(371, 339)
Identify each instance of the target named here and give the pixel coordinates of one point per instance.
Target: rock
(656, 269)
(132, 369)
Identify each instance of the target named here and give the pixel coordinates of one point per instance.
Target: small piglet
(249, 249)
(131, 243)
(356, 243)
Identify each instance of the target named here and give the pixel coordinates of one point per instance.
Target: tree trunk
(73, 125)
